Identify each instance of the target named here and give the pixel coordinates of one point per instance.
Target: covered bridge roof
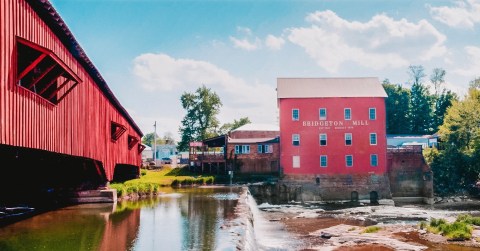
(50, 16)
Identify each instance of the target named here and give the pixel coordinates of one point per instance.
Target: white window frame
(345, 113)
(297, 136)
(320, 114)
(296, 161)
(238, 149)
(293, 114)
(245, 149)
(370, 139)
(320, 139)
(351, 138)
(372, 156)
(326, 160)
(374, 113)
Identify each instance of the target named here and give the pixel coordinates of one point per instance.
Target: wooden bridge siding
(79, 125)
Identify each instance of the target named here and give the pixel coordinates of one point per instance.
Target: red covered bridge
(60, 124)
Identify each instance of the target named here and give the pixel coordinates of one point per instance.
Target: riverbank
(321, 228)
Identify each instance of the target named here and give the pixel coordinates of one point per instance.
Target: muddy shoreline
(342, 229)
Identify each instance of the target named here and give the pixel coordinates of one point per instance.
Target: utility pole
(155, 143)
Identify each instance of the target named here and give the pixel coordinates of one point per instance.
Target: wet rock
(326, 235)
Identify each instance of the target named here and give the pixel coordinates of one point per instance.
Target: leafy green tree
(201, 121)
(398, 107)
(456, 164)
(421, 102)
(442, 102)
(227, 127)
(148, 139)
(421, 109)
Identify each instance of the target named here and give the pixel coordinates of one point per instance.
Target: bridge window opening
(41, 72)
(141, 148)
(354, 196)
(132, 141)
(117, 130)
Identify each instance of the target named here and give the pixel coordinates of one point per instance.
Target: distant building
(255, 148)
(399, 140)
(252, 148)
(147, 154)
(333, 135)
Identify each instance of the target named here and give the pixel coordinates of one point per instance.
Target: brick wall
(255, 162)
(409, 174)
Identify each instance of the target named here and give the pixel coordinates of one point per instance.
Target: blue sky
(150, 52)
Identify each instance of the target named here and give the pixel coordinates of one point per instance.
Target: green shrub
(121, 190)
(371, 229)
(422, 225)
(143, 172)
(469, 219)
(459, 230)
(209, 180)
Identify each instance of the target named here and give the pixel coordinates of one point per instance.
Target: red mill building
(333, 138)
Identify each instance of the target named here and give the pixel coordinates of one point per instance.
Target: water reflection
(184, 219)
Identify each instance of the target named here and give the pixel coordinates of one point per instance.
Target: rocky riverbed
(335, 227)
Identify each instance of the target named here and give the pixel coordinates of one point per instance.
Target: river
(181, 219)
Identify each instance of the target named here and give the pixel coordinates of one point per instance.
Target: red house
(333, 135)
(60, 124)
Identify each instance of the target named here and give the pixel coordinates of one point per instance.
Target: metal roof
(258, 127)
(50, 16)
(253, 140)
(329, 87)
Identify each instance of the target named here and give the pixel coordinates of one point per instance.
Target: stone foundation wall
(324, 188)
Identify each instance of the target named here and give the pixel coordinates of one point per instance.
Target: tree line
(416, 110)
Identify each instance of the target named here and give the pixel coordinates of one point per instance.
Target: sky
(152, 51)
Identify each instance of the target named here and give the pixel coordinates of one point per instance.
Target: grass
(150, 181)
(371, 229)
(461, 229)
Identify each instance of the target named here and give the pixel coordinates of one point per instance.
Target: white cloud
(274, 43)
(245, 30)
(473, 63)
(245, 44)
(160, 72)
(465, 14)
(379, 43)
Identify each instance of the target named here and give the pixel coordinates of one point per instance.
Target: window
(268, 148)
(372, 113)
(296, 139)
(43, 73)
(323, 139)
(238, 149)
(116, 130)
(260, 148)
(348, 139)
(141, 147)
(296, 162)
(348, 114)
(323, 113)
(245, 149)
(373, 160)
(373, 138)
(132, 141)
(349, 160)
(295, 114)
(323, 160)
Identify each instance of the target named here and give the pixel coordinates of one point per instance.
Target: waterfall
(269, 236)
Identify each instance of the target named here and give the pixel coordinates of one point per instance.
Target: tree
(148, 139)
(442, 103)
(421, 109)
(437, 78)
(200, 122)
(456, 165)
(227, 127)
(417, 73)
(398, 107)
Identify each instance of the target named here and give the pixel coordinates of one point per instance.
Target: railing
(211, 157)
(405, 149)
